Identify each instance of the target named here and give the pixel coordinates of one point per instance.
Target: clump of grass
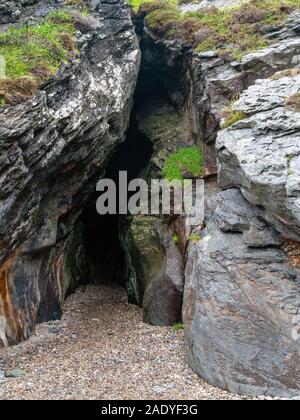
(18, 90)
(195, 237)
(294, 102)
(232, 117)
(33, 54)
(286, 73)
(237, 30)
(81, 4)
(146, 4)
(178, 327)
(175, 239)
(186, 161)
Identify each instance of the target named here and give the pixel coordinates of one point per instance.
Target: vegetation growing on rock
(136, 4)
(81, 4)
(232, 117)
(195, 237)
(34, 53)
(286, 73)
(233, 30)
(178, 327)
(175, 239)
(188, 160)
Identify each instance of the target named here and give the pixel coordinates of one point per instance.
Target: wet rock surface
(205, 84)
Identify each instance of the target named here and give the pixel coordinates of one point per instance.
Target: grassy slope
(34, 53)
(233, 31)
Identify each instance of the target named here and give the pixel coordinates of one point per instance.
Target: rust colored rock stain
(292, 250)
(59, 275)
(11, 317)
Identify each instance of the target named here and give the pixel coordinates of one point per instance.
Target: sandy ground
(101, 349)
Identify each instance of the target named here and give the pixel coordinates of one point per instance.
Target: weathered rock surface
(241, 296)
(155, 270)
(235, 214)
(216, 82)
(195, 90)
(53, 150)
(203, 85)
(203, 4)
(240, 307)
(261, 153)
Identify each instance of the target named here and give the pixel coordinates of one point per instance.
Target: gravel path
(102, 350)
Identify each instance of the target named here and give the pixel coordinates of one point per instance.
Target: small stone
(158, 390)
(54, 330)
(119, 360)
(208, 54)
(15, 373)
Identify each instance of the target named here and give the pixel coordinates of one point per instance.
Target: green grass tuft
(233, 117)
(178, 327)
(175, 239)
(195, 237)
(186, 161)
(136, 4)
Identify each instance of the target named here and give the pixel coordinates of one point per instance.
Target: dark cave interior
(103, 245)
(102, 232)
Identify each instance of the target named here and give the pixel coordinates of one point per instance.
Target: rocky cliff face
(53, 150)
(241, 303)
(241, 288)
(261, 153)
(241, 291)
(202, 85)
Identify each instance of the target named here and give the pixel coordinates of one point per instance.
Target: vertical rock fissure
(102, 232)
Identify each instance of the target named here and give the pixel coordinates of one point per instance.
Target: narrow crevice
(102, 233)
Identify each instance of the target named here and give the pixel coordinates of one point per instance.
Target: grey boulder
(260, 154)
(240, 311)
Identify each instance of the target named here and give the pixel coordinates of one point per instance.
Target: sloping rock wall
(53, 150)
(242, 291)
(261, 153)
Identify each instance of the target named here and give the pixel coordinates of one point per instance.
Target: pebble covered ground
(102, 350)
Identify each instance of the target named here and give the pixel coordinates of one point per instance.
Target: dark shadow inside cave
(102, 232)
(133, 155)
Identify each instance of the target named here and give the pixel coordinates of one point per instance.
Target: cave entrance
(102, 233)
